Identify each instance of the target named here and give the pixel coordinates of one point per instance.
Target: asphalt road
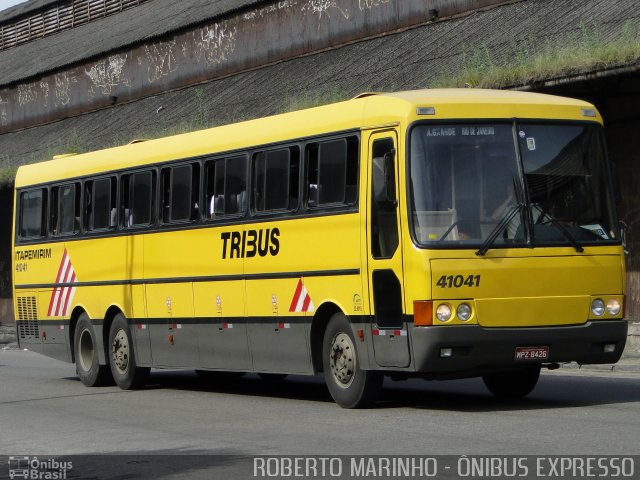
(45, 410)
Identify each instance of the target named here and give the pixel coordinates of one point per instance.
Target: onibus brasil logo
(33, 468)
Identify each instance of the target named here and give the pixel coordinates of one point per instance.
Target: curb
(632, 349)
(7, 334)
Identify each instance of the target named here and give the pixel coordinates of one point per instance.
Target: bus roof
(368, 110)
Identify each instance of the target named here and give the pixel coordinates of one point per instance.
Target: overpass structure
(79, 75)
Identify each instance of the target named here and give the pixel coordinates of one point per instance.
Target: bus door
(390, 340)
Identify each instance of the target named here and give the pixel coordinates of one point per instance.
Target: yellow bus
(430, 233)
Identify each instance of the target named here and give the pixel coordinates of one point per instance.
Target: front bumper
(476, 349)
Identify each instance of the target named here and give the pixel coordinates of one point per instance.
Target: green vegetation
(315, 98)
(201, 117)
(532, 60)
(7, 174)
(8, 166)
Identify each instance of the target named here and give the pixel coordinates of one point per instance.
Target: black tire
(349, 385)
(512, 385)
(126, 373)
(273, 378)
(85, 350)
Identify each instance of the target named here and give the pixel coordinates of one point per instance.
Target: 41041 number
(458, 281)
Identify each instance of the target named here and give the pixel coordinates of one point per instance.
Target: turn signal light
(422, 313)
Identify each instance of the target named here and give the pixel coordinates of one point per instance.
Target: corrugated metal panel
(25, 8)
(56, 18)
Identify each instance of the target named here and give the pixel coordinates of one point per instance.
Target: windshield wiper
(565, 231)
(502, 224)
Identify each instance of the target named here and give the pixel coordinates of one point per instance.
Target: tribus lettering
(250, 243)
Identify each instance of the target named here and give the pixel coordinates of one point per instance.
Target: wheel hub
(342, 359)
(120, 351)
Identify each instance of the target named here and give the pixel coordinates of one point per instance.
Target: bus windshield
(525, 184)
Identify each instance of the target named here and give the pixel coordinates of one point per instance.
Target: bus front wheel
(126, 373)
(513, 385)
(349, 385)
(85, 349)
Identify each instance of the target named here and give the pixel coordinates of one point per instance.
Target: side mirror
(623, 236)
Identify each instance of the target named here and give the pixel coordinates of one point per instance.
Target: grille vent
(27, 308)
(27, 317)
(63, 16)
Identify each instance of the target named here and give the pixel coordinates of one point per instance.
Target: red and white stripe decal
(62, 297)
(301, 301)
(284, 325)
(227, 325)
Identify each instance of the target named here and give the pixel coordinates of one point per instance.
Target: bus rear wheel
(126, 373)
(513, 385)
(85, 349)
(349, 385)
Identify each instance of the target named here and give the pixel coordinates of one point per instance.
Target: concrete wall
(624, 148)
(6, 212)
(6, 311)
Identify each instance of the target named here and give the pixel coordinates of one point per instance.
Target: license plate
(532, 353)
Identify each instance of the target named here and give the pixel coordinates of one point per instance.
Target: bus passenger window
(332, 172)
(125, 201)
(100, 203)
(179, 193)
(65, 211)
(32, 214)
(275, 179)
(226, 186)
(141, 196)
(216, 204)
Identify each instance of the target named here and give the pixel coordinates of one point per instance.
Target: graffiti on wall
(27, 93)
(200, 52)
(160, 59)
(215, 43)
(263, 11)
(107, 74)
(63, 83)
(324, 8)
(4, 117)
(369, 4)
(44, 88)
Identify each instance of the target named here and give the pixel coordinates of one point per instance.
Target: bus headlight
(464, 312)
(597, 307)
(613, 306)
(443, 312)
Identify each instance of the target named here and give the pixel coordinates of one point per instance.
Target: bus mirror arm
(624, 228)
